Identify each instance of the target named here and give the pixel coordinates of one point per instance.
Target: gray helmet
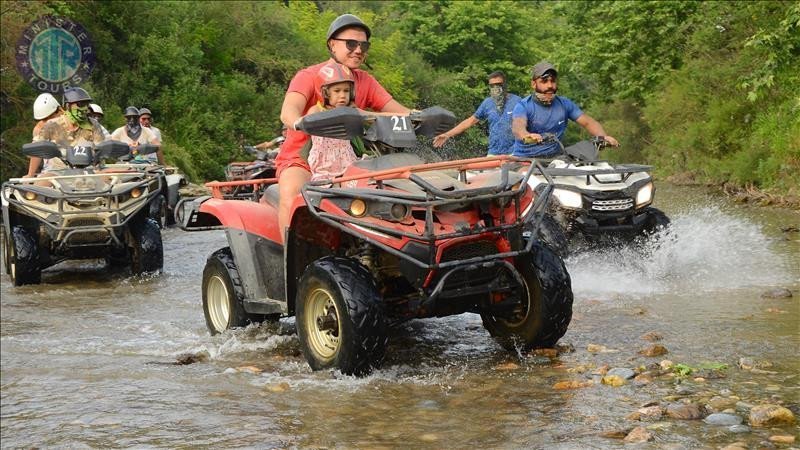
(345, 21)
(131, 111)
(76, 94)
(143, 111)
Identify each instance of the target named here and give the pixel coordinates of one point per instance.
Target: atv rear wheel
(147, 250)
(656, 221)
(340, 317)
(23, 256)
(546, 311)
(223, 295)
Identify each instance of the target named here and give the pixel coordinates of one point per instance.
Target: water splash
(705, 249)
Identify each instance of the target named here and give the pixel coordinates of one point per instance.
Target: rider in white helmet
(96, 113)
(45, 107)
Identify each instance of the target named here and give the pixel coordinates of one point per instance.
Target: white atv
(594, 200)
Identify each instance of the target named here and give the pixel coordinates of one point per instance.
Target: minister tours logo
(55, 53)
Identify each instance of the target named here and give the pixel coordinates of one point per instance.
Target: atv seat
(389, 161)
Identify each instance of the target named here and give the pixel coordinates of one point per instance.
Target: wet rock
(639, 434)
(739, 429)
(651, 412)
(621, 372)
(428, 437)
(230, 370)
(652, 336)
(565, 348)
(597, 348)
(723, 419)
(710, 374)
(602, 370)
(745, 363)
(777, 293)
(718, 404)
(613, 380)
(546, 352)
(643, 378)
(699, 380)
(615, 434)
(735, 446)
(582, 368)
(191, 358)
(743, 406)
(654, 350)
(782, 439)
(666, 364)
(277, 387)
(690, 411)
(770, 415)
(506, 366)
(572, 384)
(250, 369)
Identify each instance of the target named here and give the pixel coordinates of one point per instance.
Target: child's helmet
(332, 73)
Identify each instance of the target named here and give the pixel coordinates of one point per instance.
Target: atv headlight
(30, 196)
(136, 192)
(399, 211)
(568, 199)
(645, 195)
(358, 207)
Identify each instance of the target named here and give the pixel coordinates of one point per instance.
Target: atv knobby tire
(656, 221)
(6, 252)
(23, 255)
(223, 295)
(146, 248)
(158, 211)
(340, 317)
(544, 319)
(551, 232)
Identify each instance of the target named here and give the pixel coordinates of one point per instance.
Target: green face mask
(79, 115)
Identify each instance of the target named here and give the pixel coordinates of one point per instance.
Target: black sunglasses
(352, 44)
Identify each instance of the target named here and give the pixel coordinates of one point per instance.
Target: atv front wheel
(23, 256)
(223, 295)
(551, 232)
(147, 250)
(158, 211)
(656, 221)
(340, 317)
(545, 311)
(6, 252)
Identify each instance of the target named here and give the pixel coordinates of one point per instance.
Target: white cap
(44, 105)
(95, 108)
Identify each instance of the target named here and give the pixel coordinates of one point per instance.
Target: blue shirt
(544, 119)
(501, 140)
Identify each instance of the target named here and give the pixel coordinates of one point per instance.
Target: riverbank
(749, 195)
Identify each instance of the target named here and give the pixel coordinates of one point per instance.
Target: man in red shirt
(348, 43)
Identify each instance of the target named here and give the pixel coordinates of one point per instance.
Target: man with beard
(545, 112)
(496, 109)
(134, 134)
(72, 128)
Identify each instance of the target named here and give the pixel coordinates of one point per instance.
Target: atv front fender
(208, 213)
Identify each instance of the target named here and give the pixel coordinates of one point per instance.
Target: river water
(89, 357)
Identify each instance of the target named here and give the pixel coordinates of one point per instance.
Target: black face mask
(498, 94)
(133, 129)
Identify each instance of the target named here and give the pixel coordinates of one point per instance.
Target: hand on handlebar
(532, 138)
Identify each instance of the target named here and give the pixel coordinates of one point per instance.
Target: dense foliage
(706, 88)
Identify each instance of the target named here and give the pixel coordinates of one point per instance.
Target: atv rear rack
(315, 192)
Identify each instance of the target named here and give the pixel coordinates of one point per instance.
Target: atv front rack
(56, 214)
(508, 194)
(625, 170)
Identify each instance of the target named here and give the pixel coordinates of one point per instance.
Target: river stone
(652, 336)
(777, 293)
(735, 446)
(639, 434)
(739, 429)
(782, 439)
(621, 372)
(718, 403)
(650, 412)
(770, 415)
(654, 350)
(691, 411)
(723, 419)
(613, 380)
(743, 406)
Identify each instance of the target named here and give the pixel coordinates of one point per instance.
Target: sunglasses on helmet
(352, 44)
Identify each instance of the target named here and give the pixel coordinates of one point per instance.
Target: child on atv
(329, 157)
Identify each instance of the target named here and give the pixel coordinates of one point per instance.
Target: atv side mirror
(41, 149)
(111, 149)
(338, 123)
(433, 121)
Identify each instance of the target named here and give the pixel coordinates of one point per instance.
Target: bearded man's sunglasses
(352, 44)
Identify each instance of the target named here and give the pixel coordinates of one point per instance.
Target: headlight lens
(568, 199)
(399, 211)
(30, 196)
(358, 207)
(136, 192)
(645, 195)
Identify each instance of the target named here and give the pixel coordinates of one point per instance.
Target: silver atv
(84, 211)
(595, 201)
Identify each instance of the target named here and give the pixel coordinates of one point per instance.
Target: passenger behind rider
(96, 113)
(146, 120)
(545, 112)
(348, 43)
(274, 142)
(134, 134)
(329, 157)
(72, 128)
(45, 107)
(496, 110)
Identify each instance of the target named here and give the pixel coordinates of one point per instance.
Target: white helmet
(95, 108)
(44, 105)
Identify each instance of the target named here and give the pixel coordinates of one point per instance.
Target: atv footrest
(264, 306)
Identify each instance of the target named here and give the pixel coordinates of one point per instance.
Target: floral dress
(329, 157)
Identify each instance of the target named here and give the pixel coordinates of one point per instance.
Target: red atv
(392, 239)
(262, 168)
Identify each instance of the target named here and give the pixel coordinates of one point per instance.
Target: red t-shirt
(369, 95)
